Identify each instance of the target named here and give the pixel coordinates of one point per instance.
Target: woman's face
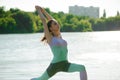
(54, 26)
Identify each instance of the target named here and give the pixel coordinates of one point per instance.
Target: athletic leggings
(63, 66)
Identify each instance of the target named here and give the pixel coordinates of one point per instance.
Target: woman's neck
(57, 34)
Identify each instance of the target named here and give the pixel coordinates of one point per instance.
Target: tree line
(18, 21)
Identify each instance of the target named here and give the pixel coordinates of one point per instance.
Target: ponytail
(49, 25)
(43, 39)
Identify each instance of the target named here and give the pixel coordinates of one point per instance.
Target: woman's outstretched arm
(48, 16)
(46, 31)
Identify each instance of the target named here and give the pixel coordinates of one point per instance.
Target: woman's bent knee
(76, 67)
(82, 68)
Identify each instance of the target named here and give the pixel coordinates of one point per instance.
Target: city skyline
(111, 6)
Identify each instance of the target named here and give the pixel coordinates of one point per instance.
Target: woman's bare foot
(34, 79)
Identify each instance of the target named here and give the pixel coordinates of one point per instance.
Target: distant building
(84, 11)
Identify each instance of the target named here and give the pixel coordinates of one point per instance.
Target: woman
(59, 49)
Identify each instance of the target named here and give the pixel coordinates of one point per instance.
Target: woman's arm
(46, 31)
(48, 16)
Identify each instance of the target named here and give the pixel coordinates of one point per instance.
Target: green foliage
(38, 27)
(2, 12)
(48, 10)
(69, 17)
(14, 10)
(104, 14)
(7, 25)
(67, 27)
(99, 24)
(24, 22)
(107, 24)
(118, 13)
(17, 21)
(83, 26)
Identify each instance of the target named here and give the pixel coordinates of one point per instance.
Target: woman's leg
(44, 76)
(52, 69)
(80, 68)
(83, 75)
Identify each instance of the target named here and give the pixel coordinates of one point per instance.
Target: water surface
(23, 56)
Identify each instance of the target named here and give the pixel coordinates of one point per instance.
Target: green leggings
(64, 66)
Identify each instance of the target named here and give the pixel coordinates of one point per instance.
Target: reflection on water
(23, 56)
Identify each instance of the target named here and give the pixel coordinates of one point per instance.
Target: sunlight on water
(102, 56)
(105, 36)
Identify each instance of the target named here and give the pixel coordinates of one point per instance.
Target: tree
(48, 10)
(99, 25)
(118, 13)
(35, 12)
(12, 10)
(2, 12)
(83, 26)
(104, 14)
(7, 25)
(24, 22)
(69, 17)
(68, 27)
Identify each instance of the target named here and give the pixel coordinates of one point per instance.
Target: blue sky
(111, 6)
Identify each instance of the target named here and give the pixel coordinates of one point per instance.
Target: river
(23, 56)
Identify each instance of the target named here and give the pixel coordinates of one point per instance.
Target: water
(23, 56)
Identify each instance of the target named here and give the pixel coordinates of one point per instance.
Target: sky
(111, 6)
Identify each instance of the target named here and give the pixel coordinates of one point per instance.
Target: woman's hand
(48, 16)
(39, 9)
